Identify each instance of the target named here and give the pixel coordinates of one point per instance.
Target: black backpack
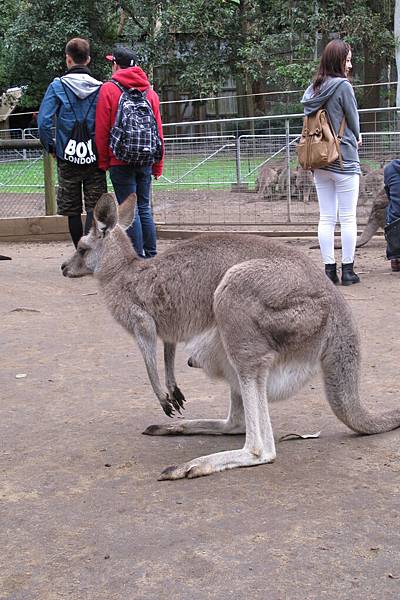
(134, 138)
(80, 149)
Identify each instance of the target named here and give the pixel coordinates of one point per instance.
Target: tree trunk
(371, 95)
(243, 84)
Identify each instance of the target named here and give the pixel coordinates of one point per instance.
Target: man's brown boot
(395, 264)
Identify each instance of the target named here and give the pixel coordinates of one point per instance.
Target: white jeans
(337, 192)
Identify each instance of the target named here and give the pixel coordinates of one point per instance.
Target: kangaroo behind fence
(267, 318)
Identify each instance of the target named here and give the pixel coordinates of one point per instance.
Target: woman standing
(337, 185)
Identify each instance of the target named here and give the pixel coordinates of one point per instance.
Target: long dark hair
(332, 63)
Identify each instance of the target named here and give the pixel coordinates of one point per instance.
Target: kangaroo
(266, 325)
(278, 322)
(305, 185)
(169, 296)
(266, 182)
(376, 220)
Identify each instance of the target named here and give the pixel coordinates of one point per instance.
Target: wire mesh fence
(223, 180)
(21, 177)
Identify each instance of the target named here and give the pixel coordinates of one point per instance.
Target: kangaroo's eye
(82, 251)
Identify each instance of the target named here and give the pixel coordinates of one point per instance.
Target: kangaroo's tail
(370, 230)
(340, 364)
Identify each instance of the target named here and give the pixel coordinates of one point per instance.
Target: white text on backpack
(80, 153)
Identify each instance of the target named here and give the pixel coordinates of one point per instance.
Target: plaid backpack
(134, 138)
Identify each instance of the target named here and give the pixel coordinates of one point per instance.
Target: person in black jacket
(391, 175)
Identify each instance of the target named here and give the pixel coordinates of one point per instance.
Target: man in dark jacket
(125, 177)
(73, 98)
(392, 230)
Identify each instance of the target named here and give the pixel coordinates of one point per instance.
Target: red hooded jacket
(106, 111)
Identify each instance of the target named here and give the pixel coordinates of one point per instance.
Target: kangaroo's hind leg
(250, 352)
(259, 446)
(208, 353)
(233, 424)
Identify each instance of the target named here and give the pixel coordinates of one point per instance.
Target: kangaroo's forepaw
(173, 402)
(178, 397)
(168, 405)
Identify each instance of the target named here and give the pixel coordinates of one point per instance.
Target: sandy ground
(82, 513)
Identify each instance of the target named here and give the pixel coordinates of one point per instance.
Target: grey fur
(266, 325)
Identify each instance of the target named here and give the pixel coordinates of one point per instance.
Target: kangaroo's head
(107, 216)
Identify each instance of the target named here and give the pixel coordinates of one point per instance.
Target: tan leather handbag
(319, 146)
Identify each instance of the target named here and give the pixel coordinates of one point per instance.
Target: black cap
(124, 57)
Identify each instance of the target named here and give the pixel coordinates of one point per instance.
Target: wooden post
(49, 184)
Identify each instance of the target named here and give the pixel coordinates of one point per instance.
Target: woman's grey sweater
(337, 97)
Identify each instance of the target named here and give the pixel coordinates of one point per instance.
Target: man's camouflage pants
(73, 180)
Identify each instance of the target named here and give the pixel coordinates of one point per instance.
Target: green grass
(23, 177)
(27, 176)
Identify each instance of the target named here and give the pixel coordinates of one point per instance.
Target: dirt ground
(203, 207)
(83, 516)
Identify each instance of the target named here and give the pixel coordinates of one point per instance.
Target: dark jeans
(127, 179)
(392, 188)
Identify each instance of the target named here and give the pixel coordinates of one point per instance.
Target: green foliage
(194, 45)
(33, 60)
(8, 14)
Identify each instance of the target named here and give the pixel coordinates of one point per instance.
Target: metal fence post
(238, 172)
(49, 184)
(289, 191)
(24, 153)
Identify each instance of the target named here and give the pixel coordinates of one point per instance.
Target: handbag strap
(342, 128)
(337, 137)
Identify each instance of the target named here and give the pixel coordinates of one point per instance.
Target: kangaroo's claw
(176, 405)
(178, 396)
(168, 407)
(173, 402)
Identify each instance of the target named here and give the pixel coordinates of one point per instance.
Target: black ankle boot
(330, 271)
(348, 275)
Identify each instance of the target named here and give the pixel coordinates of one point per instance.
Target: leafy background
(194, 47)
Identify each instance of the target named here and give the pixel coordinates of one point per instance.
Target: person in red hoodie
(125, 177)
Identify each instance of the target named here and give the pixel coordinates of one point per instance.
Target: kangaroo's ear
(105, 213)
(126, 211)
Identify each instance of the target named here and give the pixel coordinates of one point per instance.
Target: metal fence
(247, 179)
